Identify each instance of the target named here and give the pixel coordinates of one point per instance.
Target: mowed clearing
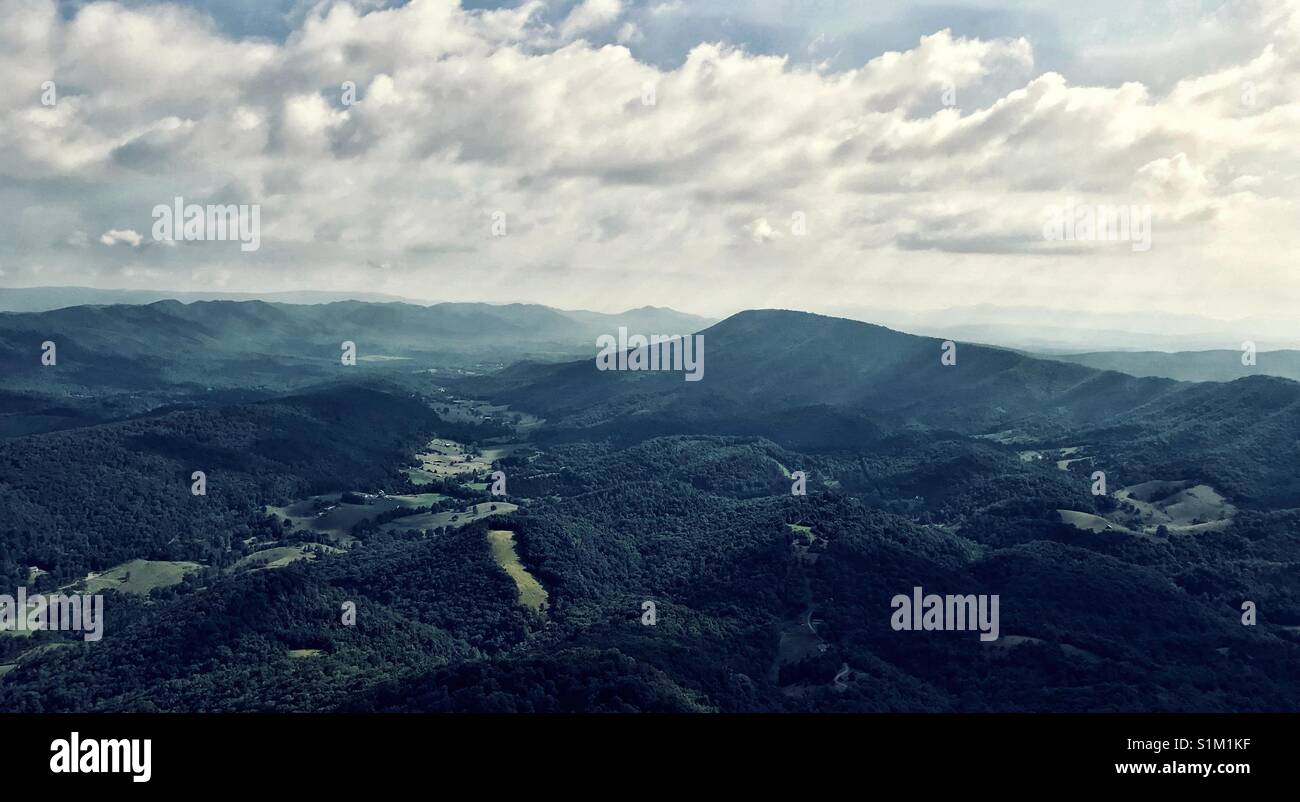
(531, 593)
(137, 577)
(1092, 523)
(444, 458)
(458, 410)
(280, 556)
(140, 576)
(1064, 457)
(1181, 507)
(334, 518)
(453, 518)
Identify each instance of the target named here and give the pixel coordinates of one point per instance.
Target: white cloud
(612, 202)
(590, 15)
(114, 236)
(761, 231)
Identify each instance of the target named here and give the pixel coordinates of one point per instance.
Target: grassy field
(137, 576)
(802, 547)
(442, 458)
(1091, 523)
(329, 516)
(140, 576)
(279, 556)
(433, 520)
(419, 476)
(1064, 457)
(299, 654)
(1181, 507)
(531, 592)
(468, 411)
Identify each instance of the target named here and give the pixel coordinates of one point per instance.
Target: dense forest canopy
(681, 568)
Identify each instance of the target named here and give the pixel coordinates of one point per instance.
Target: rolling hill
(125, 359)
(246, 329)
(762, 363)
(645, 487)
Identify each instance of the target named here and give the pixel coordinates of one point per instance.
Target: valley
(373, 488)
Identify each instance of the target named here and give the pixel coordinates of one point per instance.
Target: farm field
(329, 515)
(1092, 523)
(1181, 507)
(1063, 457)
(140, 576)
(445, 458)
(1178, 505)
(531, 592)
(460, 410)
(137, 577)
(453, 518)
(281, 556)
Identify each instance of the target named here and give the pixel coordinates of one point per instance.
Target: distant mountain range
(1054, 331)
(43, 299)
(804, 380)
(128, 359)
(1039, 330)
(165, 338)
(1196, 366)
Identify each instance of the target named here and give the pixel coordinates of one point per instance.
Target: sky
(709, 156)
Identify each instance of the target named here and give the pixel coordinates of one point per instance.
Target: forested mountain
(1088, 623)
(1243, 435)
(118, 360)
(820, 383)
(644, 489)
(216, 330)
(765, 362)
(86, 499)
